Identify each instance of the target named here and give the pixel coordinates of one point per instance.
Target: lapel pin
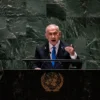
(61, 47)
(45, 48)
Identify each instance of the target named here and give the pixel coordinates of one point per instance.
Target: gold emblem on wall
(52, 81)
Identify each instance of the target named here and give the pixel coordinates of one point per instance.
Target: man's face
(53, 35)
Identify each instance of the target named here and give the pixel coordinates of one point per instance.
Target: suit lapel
(47, 54)
(60, 50)
(46, 51)
(60, 54)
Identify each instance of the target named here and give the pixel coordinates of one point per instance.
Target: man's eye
(55, 33)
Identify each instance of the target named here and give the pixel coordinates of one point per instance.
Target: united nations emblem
(52, 81)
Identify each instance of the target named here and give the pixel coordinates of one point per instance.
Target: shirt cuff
(74, 56)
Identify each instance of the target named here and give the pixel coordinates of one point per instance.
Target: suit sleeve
(78, 65)
(37, 64)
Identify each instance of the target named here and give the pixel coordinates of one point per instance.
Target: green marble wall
(23, 22)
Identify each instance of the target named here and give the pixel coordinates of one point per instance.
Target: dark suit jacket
(42, 52)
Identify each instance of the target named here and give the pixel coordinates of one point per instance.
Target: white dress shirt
(57, 46)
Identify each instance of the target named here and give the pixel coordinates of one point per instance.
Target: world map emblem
(52, 81)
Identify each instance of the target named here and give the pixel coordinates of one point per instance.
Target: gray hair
(52, 25)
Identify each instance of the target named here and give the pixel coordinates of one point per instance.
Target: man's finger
(71, 45)
(37, 68)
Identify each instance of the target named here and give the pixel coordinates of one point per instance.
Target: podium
(30, 62)
(27, 85)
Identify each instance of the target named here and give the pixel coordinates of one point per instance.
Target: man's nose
(53, 35)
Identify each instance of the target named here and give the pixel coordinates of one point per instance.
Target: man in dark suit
(55, 49)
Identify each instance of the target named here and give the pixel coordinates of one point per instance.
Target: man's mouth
(53, 40)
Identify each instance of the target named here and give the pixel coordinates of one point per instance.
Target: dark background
(26, 85)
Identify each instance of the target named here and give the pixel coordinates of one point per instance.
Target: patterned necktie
(53, 55)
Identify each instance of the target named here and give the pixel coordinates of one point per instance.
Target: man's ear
(60, 33)
(46, 35)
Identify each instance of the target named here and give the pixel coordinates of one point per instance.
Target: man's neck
(50, 45)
